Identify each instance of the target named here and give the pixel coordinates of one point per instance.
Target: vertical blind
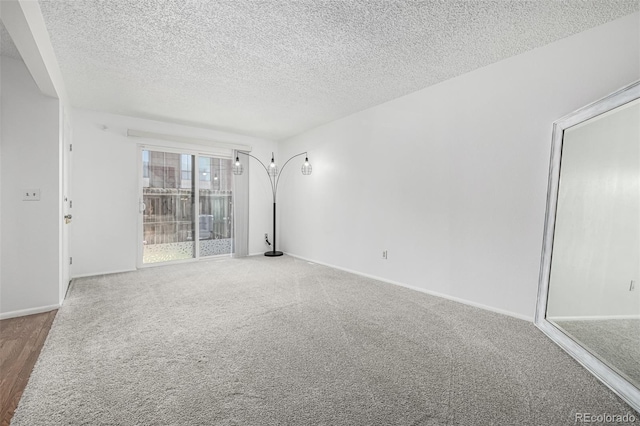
(241, 208)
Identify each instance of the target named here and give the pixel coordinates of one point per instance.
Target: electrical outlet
(384, 254)
(32, 194)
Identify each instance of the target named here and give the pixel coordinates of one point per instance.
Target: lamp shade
(273, 168)
(306, 167)
(237, 167)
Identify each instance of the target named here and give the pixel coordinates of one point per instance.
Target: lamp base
(273, 253)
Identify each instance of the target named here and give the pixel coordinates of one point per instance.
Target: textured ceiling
(7, 48)
(278, 68)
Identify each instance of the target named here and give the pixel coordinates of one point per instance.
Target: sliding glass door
(215, 206)
(172, 186)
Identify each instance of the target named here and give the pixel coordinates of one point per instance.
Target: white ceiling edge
(276, 69)
(24, 23)
(633, 16)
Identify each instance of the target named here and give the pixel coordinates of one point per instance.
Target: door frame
(66, 156)
(175, 148)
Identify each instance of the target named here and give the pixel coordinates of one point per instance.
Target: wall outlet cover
(31, 194)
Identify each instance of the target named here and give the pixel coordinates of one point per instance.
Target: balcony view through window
(170, 182)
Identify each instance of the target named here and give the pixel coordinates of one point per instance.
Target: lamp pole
(274, 178)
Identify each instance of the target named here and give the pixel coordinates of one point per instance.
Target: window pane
(186, 169)
(205, 170)
(145, 164)
(168, 228)
(216, 206)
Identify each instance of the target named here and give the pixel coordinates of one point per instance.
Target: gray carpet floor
(278, 341)
(615, 341)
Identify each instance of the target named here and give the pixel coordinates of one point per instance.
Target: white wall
(452, 179)
(30, 229)
(596, 244)
(104, 234)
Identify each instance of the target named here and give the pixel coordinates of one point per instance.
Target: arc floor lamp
(274, 177)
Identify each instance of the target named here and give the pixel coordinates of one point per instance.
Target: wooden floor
(21, 340)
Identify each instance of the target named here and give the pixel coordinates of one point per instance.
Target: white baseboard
(30, 311)
(95, 274)
(594, 317)
(422, 290)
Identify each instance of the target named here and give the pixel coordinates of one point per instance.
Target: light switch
(32, 194)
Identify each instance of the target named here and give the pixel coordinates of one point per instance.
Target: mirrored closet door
(589, 298)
